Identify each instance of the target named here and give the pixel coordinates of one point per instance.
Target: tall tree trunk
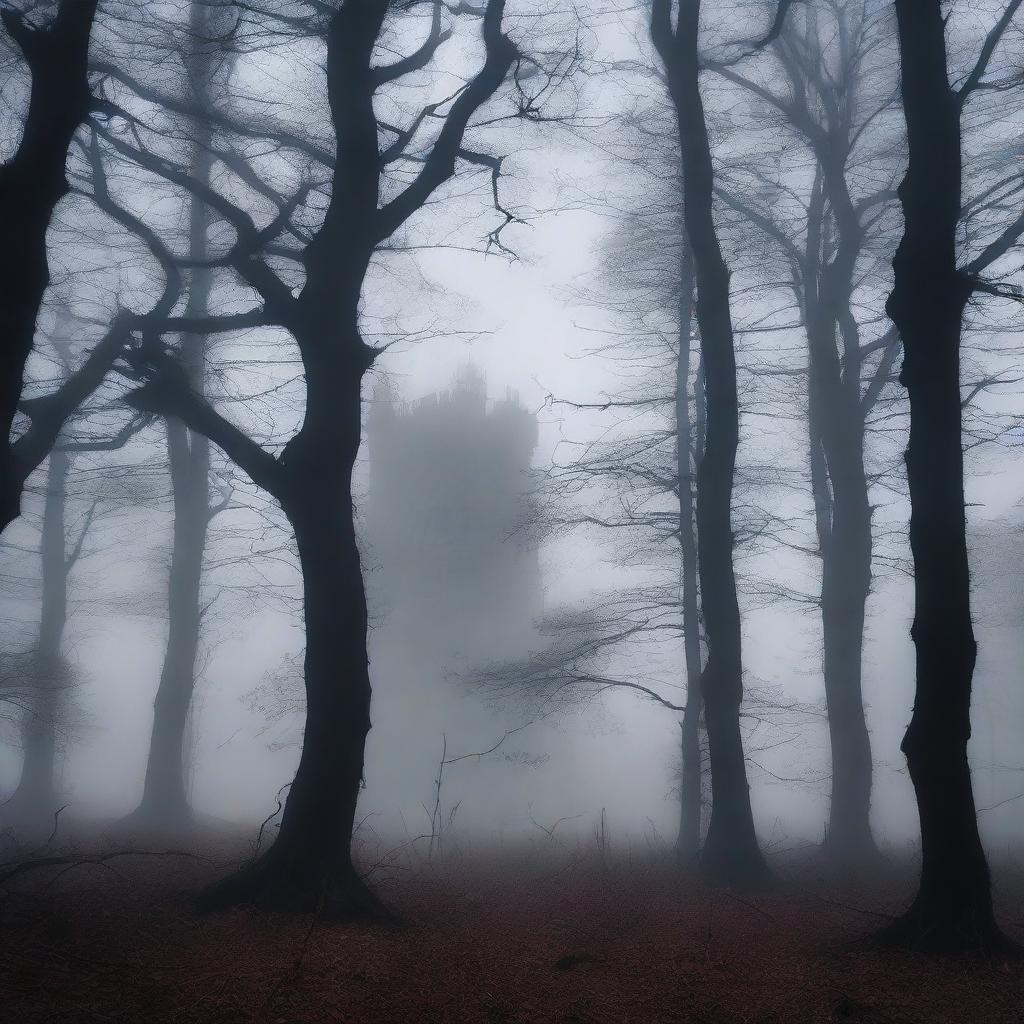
(953, 907)
(844, 542)
(843, 598)
(32, 182)
(309, 867)
(164, 797)
(841, 501)
(731, 853)
(36, 795)
(845, 546)
(687, 461)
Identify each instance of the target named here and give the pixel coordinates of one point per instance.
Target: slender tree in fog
(953, 907)
(689, 450)
(730, 851)
(824, 54)
(309, 865)
(49, 677)
(648, 282)
(634, 467)
(164, 800)
(689, 428)
(583, 640)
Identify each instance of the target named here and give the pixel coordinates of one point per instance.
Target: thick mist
(502, 484)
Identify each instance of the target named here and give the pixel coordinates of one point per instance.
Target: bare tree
(164, 800)
(731, 852)
(825, 55)
(309, 866)
(32, 182)
(953, 906)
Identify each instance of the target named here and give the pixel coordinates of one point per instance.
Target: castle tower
(454, 583)
(448, 512)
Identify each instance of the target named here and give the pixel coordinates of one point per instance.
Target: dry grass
(493, 939)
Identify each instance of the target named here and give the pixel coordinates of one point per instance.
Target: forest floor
(563, 937)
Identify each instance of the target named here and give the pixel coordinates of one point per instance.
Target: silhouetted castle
(449, 520)
(454, 583)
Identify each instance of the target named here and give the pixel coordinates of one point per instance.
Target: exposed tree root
(277, 882)
(744, 870)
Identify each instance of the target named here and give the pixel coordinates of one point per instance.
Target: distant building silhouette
(449, 519)
(454, 582)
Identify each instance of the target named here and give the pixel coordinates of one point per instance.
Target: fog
(616, 752)
(509, 367)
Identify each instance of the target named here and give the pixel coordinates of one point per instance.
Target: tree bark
(843, 597)
(309, 867)
(953, 906)
(164, 799)
(687, 462)
(842, 511)
(32, 182)
(731, 853)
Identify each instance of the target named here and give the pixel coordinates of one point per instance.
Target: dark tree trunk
(164, 799)
(309, 867)
(842, 513)
(32, 182)
(35, 798)
(687, 461)
(953, 907)
(731, 853)
(843, 597)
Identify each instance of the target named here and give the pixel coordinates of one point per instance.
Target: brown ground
(515, 941)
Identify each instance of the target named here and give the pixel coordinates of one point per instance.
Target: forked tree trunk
(953, 906)
(825, 113)
(731, 853)
(32, 182)
(309, 867)
(687, 461)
